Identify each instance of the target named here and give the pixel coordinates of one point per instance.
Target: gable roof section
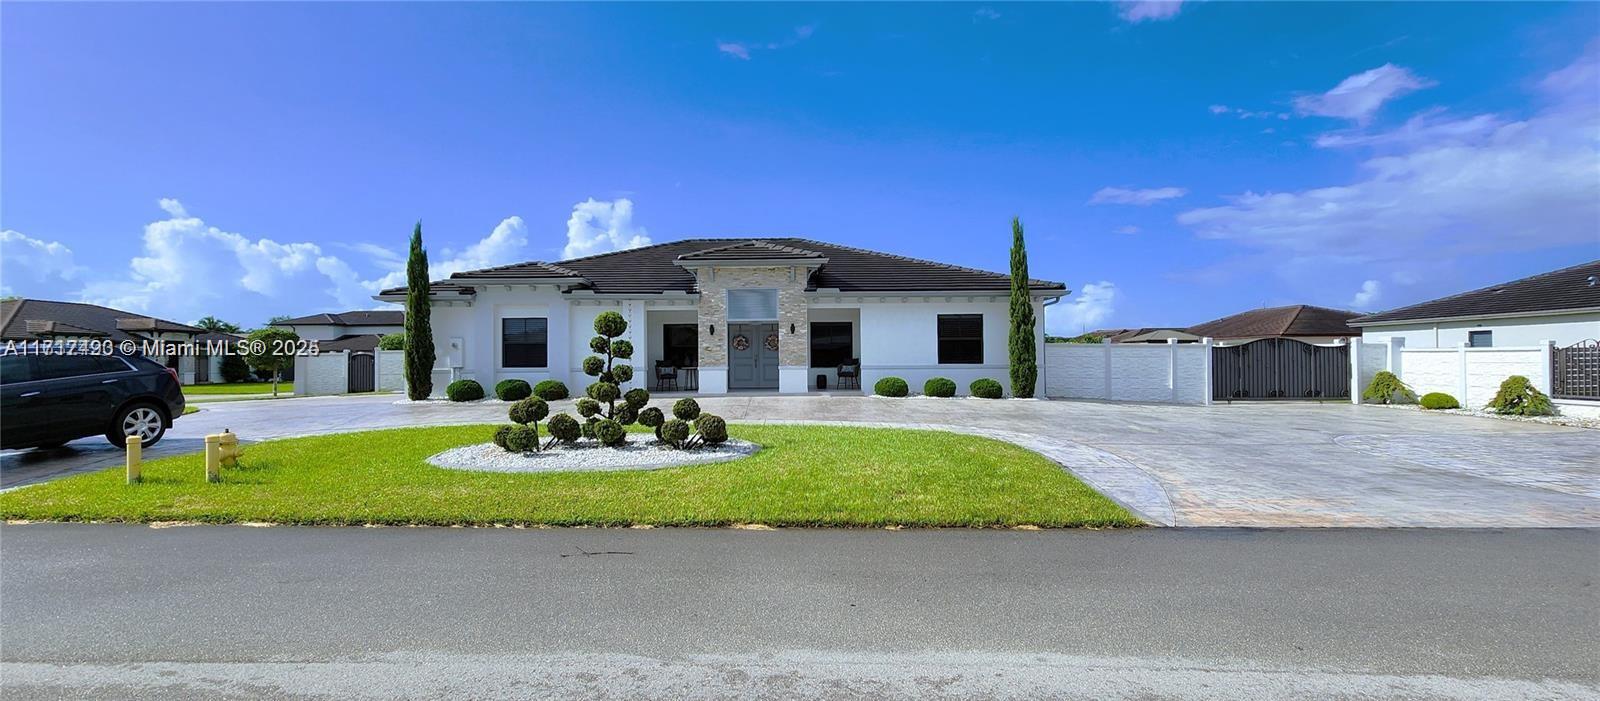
(39, 319)
(1567, 289)
(382, 317)
(1293, 320)
(655, 269)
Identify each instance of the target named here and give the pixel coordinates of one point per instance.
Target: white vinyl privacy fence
(1471, 375)
(1129, 372)
(330, 373)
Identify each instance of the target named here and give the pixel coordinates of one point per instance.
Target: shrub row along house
(719, 315)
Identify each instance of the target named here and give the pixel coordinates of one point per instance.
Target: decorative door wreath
(772, 341)
(741, 343)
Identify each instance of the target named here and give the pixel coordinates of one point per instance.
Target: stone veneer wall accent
(714, 284)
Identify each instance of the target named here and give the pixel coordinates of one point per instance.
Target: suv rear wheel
(142, 420)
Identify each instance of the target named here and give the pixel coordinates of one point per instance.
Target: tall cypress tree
(1024, 358)
(419, 355)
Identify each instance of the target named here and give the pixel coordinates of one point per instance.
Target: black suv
(49, 399)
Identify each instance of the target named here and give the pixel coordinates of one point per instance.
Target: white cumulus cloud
(505, 244)
(1082, 312)
(1148, 10)
(1367, 295)
(26, 262)
(1138, 198)
(602, 227)
(1358, 97)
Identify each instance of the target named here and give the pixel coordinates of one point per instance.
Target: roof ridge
(1485, 288)
(592, 256)
(949, 266)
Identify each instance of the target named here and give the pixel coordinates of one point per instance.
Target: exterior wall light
(711, 329)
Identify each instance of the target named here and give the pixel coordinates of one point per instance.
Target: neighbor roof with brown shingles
(380, 317)
(1567, 289)
(73, 318)
(1293, 320)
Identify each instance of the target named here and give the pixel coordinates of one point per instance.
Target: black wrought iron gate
(1280, 368)
(359, 377)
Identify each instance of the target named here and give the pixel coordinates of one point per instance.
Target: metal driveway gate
(1577, 371)
(359, 377)
(1280, 368)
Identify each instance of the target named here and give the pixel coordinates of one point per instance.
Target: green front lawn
(804, 476)
(238, 388)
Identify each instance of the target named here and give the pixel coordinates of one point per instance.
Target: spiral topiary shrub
(609, 432)
(501, 433)
(1518, 397)
(512, 390)
(985, 388)
(939, 387)
(528, 411)
(550, 390)
(522, 439)
(610, 375)
(587, 407)
(891, 387)
(1386, 388)
(686, 409)
(464, 391)
(674, 432)
(1439, 400)
(712, 429)
(564, 428)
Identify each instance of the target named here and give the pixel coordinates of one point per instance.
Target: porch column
(794, 340)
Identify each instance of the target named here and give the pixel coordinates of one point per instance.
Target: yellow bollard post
(213, 457)
(135, 453)
(230, 448)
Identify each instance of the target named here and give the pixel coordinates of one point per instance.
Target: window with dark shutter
(831, 344)
(960, 339)
(524, 342)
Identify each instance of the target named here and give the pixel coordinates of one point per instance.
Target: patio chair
(850, 374)
(666, 375)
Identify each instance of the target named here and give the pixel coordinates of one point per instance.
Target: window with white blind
(752, 305)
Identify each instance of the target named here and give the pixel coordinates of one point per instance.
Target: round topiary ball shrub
(594, 365)
(651, 417)
(464, 391)
(602, 392)
(512, 390)
(564, 428)
(529, 410)
(621, 373)
(588, 427)
(985, 388)
(891, 387)
(713, 430)
(1439, 400)
(675, 431)
(588, 407)
(636, 398)
(610, 324)
(500, 435)
(626, 415)
(939, 387)
(522, 439)
(686, 409)
(609, 432)
(550, 390)
(622, 349)
(599, 344)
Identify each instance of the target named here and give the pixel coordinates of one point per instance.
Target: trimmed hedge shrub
(1518, 396)
(528, 411)
(622, 373)
(1439, 400)
(522, 439)
(392, 341)
(609, 432)
(891, 387)
(713, 430)
(686, 409)
(624, 350)
(587, 427)
(501, 433)
(675, 432)
(550, 390)
(512, 390)
(636, 398)
(603, 392)
(594, 365)
(985, 388)
(564, 428)
(587, 407)
(626, 415)
(939, 387)
(1386, 388)
(464, 391)
(610, 324)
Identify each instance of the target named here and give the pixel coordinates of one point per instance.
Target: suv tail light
(174, 373)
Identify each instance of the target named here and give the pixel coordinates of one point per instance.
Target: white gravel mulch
(587, 456)
(1574, 421)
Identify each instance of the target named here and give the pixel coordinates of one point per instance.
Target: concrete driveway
(1278, 464)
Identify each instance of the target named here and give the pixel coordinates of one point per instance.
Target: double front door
(752, 356)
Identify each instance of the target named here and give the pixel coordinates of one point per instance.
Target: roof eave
(752, 263)
(1361, 322)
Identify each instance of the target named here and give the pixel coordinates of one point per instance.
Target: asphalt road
(240, 612)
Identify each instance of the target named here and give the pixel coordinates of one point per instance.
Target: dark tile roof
(36, 319)
(751, 250)
(1293, 320)
(1577, 287)
(350, 342)
(355, 318)
(654, 269)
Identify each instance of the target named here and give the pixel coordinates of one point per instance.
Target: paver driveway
(1281, 464)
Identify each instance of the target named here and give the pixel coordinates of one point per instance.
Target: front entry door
(752, 356)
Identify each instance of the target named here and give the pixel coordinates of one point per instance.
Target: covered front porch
(760, 354)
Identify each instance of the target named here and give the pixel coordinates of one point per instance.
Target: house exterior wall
(1562, 329)
(901, 339)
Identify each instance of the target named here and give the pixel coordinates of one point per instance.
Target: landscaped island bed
(803, 476)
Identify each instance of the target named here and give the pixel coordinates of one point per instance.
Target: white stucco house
(728, 315)
(1561, 306)
(352, 331)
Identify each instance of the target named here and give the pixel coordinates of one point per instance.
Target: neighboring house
(1562, 306)
(346, 331)
(1147, 335)
(732, 314)
(1301, 322)
(44, 320)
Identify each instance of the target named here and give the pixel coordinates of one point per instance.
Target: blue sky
(1172, 163)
